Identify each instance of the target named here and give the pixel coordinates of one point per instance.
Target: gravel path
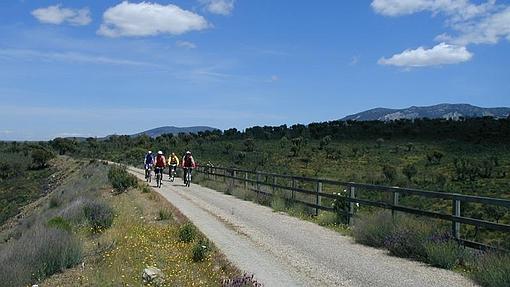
(285, 251)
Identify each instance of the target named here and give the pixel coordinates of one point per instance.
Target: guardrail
(290, 183)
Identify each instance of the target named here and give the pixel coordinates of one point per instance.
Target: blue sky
(92, 68)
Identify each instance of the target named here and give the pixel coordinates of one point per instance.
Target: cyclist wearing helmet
(160, 163)
(188, 163)
(149, 160)
(173, 162)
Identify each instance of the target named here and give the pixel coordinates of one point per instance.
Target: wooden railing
(313, 188)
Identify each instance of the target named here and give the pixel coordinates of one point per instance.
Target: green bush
(187, 232)
(55, 201)
(41, 156)
(164, 214)
(445, 254)
(99, 215)
(120, 179)
(278, 203)
(492, 270)
(60, 223)
(200, 250)
(373, 229)
(327, 218)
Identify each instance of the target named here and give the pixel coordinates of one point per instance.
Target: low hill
(174, 130)
(445, 111)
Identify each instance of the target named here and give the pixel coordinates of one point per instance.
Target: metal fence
(314, 195)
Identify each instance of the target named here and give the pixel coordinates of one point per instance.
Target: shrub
(120, 179)
(278, 203)
(40, 157)
(145, 189)
(55, 201)
(443, 254)
(60, 223)
(409, 237)
(372, 229)
(98, 214)
(492, 270)
(200, 250)
(164, 214)
(187, 232)
(39, 253)
(409, 171)
(389, 172)
(327, 218)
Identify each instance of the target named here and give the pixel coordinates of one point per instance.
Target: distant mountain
(174, 130)
(444, 111)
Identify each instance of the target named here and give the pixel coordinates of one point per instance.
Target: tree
(409, 171)
(325, 141)
(249, 144)
(389, 172)
(379, 142)
(227, 148)
(40, 157)
(296, 145)
(63, 145)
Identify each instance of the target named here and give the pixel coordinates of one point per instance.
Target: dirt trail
(285, 251)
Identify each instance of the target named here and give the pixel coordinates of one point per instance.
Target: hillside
(173, 130)
(441, 111)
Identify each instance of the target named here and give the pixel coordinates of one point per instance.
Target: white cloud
(149, 19)
(185, 44)
(72, 57)
(459, 9)
(486, 31)
(484, 23)
(441, 54)
(222, 7)
(58, 15)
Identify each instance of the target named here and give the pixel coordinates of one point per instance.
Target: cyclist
(173, 162)
(160, 164)
(188, 163)
(148, 162)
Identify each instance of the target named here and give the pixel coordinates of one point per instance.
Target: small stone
(153, 275)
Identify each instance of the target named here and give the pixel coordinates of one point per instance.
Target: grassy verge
(144, 232)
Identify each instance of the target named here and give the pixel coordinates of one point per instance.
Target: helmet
(173, 154)
(150, 152)
(188, 152)
(160, 152)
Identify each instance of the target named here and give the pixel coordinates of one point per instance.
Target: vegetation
(120, 179)
(492, 270)
(187, 232)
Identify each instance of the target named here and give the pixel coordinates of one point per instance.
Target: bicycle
(148, 172)
(172, 172)
(159, 177)
(187, 176)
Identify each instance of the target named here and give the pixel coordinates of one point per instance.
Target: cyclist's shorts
(158, 170)
(148, 166)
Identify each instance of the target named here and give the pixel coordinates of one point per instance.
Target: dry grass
(138, 239)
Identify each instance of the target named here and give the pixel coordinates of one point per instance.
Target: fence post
(258, 184)
(246, 180)
(352, 194)
(317, 197)
(456, 212)
(292, 192)
(225, 175)
(234, 174)
(274, 183)
(395, 203)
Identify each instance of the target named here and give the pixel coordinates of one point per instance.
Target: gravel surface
(285, 251)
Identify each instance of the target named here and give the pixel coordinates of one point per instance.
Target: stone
(153, 275)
